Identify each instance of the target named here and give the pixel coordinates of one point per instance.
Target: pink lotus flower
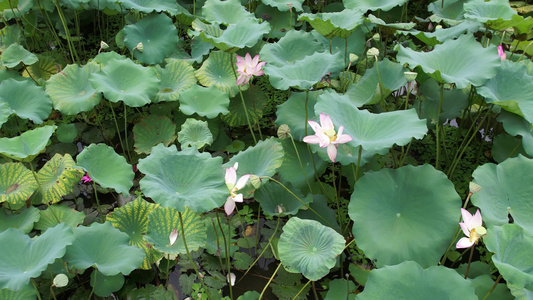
(326, 136)
(233, 186)
(86, 178)
(472, 228)
(248, 67)
(501, 54)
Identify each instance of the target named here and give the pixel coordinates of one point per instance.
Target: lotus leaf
(164, 219)
(183, 179)
(103, 58)
(149, 291)
(104, 285)
(292, 112)
(127, 81)
(450, 11)
(107, 168)
(25, 99)
(520, 24)
(216, 234)
(236, 36)
(454, 101)
(441, 35)
(204, 101)
(291, 171)
(404, 26)
(293, 47)
(175, 77)
(17, 183)
(151, 131)
(25, 293)
(110, 255)
(304, 73)
(57, 178)
(132, 219)
(511, 88)
(22, 7)
(355, 43)
(28, 145)
(505, 191)
(225, 11)
(275, 200)
(328, 216)
(409, 280)
(332, 24)
(24, 258)
(462, 61)
(516, 125)
(4, 111)
(365, 5)
(255, 101)
(484, 283)
(285, 5)
(16, 54)
(511, 245)
(396, 213)
(341, 289)
(505, 146)
(483, 11)
(70, 90)
(195, 133)
(75, 4)
(217, 70)
(23, 220)
(308, 247)
(148, 6)
(65, 214)
(158, 35)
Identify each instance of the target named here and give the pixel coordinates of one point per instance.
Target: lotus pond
(272, 149)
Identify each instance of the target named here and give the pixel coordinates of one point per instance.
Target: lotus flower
(86, 178)
(233, 186)
(173, 236)
(472, 228)
(501, 53)
(248, 67)
(326, 136)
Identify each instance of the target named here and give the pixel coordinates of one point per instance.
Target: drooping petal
(229, 206)
(242, 181)
(464, 243)
(312, 139)
(231, 178)
(332, 152)
(465, 229)
(238, 198)
(326, 122)
(476, 220)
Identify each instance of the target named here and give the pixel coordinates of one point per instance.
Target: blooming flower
(326, 136)
(248, 67)
(86, 178)
(501, 54)
(472, 228)
(233, 186)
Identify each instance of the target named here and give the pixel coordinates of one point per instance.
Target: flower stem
(118, 130)
(228, 265)
(437, 164)
(493, 287)
(301, 290)
(242, 99)
(358, 163)
(469, 261)
(269, 281)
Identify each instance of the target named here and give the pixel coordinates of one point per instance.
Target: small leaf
(153, 130)
(195, 133)
(16, 54)
(208, 102)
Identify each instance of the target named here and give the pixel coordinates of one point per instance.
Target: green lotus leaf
(328, 216)
(57, 178)
(217, 71)
(71, 92)
(127, 81)
(511, 89)
(216, 236)
(64, 213)
(28, 145)
(404, 26)
(104, 285)
(25, 99)
(397, 213)
(236, 36)
(4, 112)
(374, 132)
(17, 183)
(23, 220)
(484, 283)
(515, 125)
(107, 168)
(24, 258)
(164, 219)
(454, 101)
(25, 293)
(291, 171)
(66, 132)
(110, 255)
(303, 74)
(332, 24)
(132, 219)
(255, 101)
(177, 76)
(461, 61)
(353, 44)
(520, 24)
(451, 11)
(158, 35)
(183, 179)
(341, 289)
(204, 101)
(483, 11)
(280, 21)
(15, 54)
(408, 280)
(225, 12)
(21, 7)
(103, 58)
(293, 47)
(373, 86)
(75, 4)
(195, 133)
(505, 146)
(292, 112)
(308, 247)
(275, 200)
(148, 6)
(505, 191)
(284, 5)
(511, 246)
(365, 5)
(441, 35)
(151, 131)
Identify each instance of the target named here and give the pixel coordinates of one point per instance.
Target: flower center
(477, 233)
(332, 135)
(233, 192)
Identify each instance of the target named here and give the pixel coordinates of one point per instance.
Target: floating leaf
(65, 214)
(165, 219)
(275, 200)
(217, 71)
(15, 54)
(204, 101)
(24, 258)
(195, 133)
(308, 247)
(58, 177)
(25, 99)
(110, 255)
(28, 145)
(332, 24)
(70, 90)
(183, 179)
(17, 183)
(107, 168)
(23, 220)
(153, 130)
(396, 213)
(365, 5)
(177, 76)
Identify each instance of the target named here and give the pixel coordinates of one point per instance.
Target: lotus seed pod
(104, 45)
(284, 131)
(353, 58)
(61, 280)
(376, 37)
(140, 47)
(372, 52)
(474, 187)
(256, 181)
(410, 76)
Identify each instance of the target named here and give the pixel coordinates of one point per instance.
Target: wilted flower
(233, 186)
(86, 178)
(248, 67)
(326, 136)
(501, 53)
(173, 236)
(472, 227)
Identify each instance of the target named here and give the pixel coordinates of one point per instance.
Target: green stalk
(126, 131)
(358, 163)
(336, 199)
(469, 261)
(242, 99)
(493, 287)
(228, 265)
(457, 232)
(300, 162)
(302, 289)
(256, 117)
(36, 289)
(269, 281)
(218, 244)
(118, 130)
(379, 80)
(97, 201)
(437, 164)
(72, 50)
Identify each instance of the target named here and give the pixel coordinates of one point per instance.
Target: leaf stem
(493, 287)
(269, 281)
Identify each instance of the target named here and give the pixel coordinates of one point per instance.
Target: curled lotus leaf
(58, 177)
(17, 183)
(195, 133)
(25, 99)
(365, 5)
(176, 77)
(15, 54)
(236, 36)
(151, 131)
(28, 145)
(204, 101)
(225, 11)
(22, 220)
(332, 24)
(285, 5)
(483, 11)
(451, 11)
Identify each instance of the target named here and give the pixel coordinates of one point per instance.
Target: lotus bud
(61, 280)
(430, 26)
(103, 45)
(256, 181)
(372, 52)
(353, 57)
(140, 47)
(474, 187)
(284, 131)
(410, 76)
(231, 278)
(173, 236)
(376, 37)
